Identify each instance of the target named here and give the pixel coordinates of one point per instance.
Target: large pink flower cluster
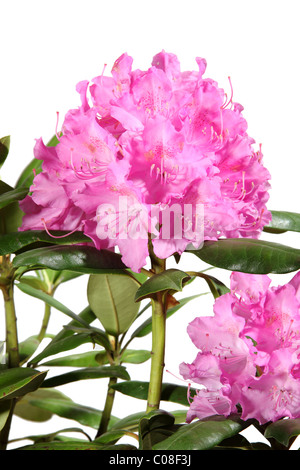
(249, 352)
(140, 144)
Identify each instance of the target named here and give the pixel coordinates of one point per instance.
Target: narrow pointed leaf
(171, 280)
(250, 256)
(86, 374)
(170, 392)
(51, 301)
(65, 344)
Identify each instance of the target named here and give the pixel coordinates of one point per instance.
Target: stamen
(230, 100)
(57, 119)
(58, 236)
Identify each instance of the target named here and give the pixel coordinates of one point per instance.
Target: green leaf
(111, 297)
(5, 406)
(86, 374)
(283, 221)
(65, 408)
(26, 409)
(200, 435)
(171, 280)
(16, 241)
(84, 259)
(96, 358)
(65, 344)
(18, 381)
(27, 289)
(73, 445)
(169, 392)
(283, 430)
(4, 148)
(55, 436)
(28, 347)
(12, 196)
(250, 256)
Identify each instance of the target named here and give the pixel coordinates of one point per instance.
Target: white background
(46, 47)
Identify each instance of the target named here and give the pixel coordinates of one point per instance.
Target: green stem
(113, 357)
(106, 414)
(45, 323)
(158, 340)
(12, 345)
(157, 353)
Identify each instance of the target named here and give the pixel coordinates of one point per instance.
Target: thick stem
(12, 345)
(158, 340)
(157, 353)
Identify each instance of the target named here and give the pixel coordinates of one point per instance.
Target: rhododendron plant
(153, 164)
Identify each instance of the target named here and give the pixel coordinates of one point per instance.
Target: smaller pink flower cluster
(249, 352)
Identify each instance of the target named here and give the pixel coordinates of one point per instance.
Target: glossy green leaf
(283, 430)
(170, 392)
(171, 280)
(86, 374)
(96, 358)
(111, 297)
(11, 196)
(200, 435)
(16, 241)
(283, 221)
(84, 259)
(4, 148)
(18, 381)
(250, 256)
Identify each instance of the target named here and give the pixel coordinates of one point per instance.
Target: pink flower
(161, 137)
(249, 351)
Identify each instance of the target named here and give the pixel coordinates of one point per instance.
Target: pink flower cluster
(156, 138)
(249, 352)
